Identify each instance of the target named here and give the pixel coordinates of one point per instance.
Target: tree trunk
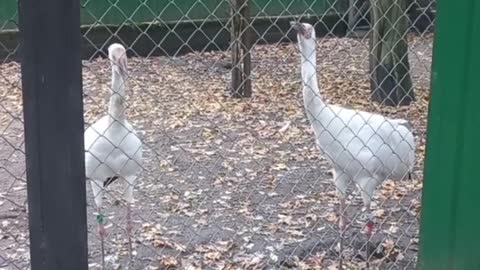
(236, 30)
(241, 85)
(391, 83)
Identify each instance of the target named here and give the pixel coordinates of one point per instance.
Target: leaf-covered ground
(230, 183)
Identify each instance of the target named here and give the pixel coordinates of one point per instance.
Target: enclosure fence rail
(53, 120)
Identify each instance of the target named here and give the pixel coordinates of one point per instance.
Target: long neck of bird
(116, 105)
(311, 95)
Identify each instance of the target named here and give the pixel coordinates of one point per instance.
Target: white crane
(113, 149)
(362, 147)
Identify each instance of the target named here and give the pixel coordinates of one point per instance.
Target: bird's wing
(94, 131)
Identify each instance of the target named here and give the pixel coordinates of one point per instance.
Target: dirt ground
(230, 184)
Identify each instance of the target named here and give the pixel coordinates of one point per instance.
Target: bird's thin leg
(129, 200)
(367, 188)
(341, 183)
(129, 230)
(98, 192)
(370, 226)
(341, 225)
(101, 233)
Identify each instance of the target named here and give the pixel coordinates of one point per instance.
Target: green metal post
(450, 227)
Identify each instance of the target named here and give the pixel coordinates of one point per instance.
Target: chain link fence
(230, 183)
(14, 249)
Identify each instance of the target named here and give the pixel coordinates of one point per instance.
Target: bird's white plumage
(112, 146)
(363, 147)
(112, 149)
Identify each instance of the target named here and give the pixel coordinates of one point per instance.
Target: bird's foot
(370, 223)
(370, 227)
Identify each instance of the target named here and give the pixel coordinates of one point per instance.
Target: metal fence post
(450, 221)
(53, 113)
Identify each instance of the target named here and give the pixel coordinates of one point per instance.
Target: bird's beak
(297, 26)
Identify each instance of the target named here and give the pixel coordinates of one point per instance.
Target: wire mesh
(13, 205)
(229, 183)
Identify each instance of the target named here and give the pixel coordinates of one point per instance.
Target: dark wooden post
(246, 46)
(53, 112)
(391, 83)
(236, 28)
(241, 40)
